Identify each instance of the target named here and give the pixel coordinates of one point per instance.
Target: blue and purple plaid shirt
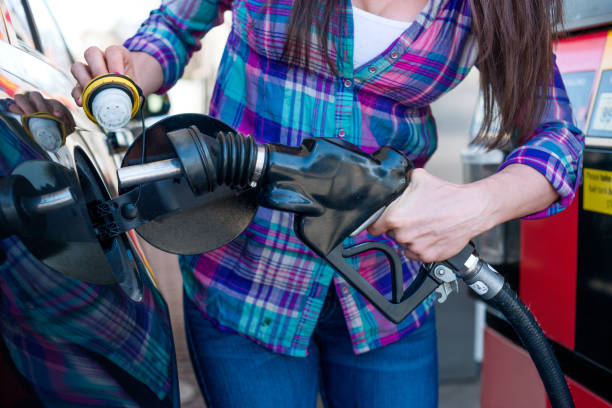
(266, 284)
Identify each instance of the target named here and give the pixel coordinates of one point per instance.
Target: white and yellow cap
(111, 100)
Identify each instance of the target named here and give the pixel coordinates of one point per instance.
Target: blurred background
(85, 23)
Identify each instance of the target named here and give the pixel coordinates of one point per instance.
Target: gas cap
(111, 100)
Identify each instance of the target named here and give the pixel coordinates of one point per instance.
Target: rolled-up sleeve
(172, 33)
(555, 149)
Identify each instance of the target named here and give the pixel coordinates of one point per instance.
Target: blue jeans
(234, 371)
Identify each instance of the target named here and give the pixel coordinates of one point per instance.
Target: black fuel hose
(534, 340)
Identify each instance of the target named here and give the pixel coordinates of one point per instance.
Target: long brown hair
(306, 14)
(515, 62)
(515, 57)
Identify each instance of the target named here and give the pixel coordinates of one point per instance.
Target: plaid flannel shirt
(266, 284)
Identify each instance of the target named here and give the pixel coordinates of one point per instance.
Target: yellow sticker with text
(597, 191)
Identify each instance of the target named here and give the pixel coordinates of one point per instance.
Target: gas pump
(566, 281)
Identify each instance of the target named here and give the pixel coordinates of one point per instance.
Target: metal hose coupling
(228, 159)
(476, 273)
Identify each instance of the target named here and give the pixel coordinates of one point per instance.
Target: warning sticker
(479, 287)
(597, 191)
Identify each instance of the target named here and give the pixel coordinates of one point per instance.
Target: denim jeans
(234, 371)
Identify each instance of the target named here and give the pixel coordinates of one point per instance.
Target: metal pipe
(149, 172)
(49, 202)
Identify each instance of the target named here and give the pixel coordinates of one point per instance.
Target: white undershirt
(373, 34)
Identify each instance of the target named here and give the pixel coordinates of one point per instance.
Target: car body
(30, 66)
(34, 67)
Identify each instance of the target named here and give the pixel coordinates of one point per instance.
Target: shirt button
(372, 69)
(348, 83)
(394, 55)
(341, 133)
(345, 290)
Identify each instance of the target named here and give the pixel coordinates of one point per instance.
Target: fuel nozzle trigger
(434, 277)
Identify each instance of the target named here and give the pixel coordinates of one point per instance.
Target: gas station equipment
(567, 281)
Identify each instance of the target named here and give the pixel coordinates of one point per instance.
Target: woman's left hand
(434, 219)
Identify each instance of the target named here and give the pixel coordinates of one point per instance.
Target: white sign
(602, 118)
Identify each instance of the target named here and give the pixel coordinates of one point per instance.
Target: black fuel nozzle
(334, 189)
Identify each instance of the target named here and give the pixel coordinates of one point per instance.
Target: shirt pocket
(261, 26)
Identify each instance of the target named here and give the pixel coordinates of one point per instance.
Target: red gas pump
(567, 281)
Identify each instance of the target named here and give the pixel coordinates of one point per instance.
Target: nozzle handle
(397, 281)
(402, 302)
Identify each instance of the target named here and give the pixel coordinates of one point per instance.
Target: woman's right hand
(145, 70)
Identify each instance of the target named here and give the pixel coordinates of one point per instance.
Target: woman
(365, 72)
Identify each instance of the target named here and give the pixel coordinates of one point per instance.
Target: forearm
(148, 71)
(516, 191)
(172, 33)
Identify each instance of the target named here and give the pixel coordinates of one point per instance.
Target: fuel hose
(534, 340)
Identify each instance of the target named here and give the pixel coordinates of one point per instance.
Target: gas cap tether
(111, 100)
